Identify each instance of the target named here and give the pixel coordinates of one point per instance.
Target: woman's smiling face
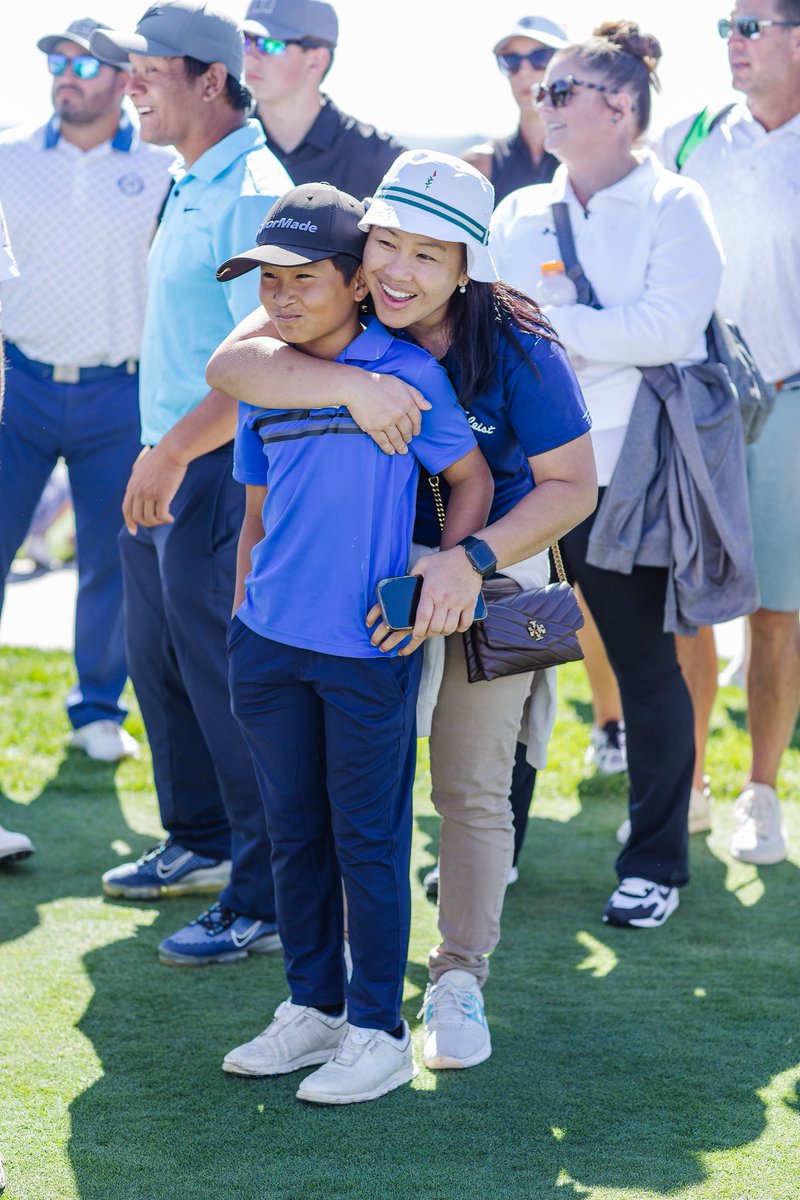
(411, 277)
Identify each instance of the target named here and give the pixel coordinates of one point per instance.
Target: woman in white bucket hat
(430, 273)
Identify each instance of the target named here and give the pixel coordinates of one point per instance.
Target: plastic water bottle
(554, 286)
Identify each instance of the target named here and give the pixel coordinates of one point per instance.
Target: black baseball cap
(308, 223)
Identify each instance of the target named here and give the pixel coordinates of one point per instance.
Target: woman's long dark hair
(476, 318)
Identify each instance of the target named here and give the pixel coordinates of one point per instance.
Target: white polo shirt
(81, 223)
(752, 179)
(649, 247)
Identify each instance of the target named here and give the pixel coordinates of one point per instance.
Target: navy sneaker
(167, 869)
(218, 936)
(641, 904)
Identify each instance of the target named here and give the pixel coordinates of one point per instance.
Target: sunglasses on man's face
(509, 64)
(561, 91)
(271, 46)
(85, 66)
(747, 27)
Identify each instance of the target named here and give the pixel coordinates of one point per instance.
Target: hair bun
(628, 36)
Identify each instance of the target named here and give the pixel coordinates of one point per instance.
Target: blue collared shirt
(213, 212)
(340, 512)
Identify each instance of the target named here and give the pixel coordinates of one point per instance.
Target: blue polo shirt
(340, 512)
(211, 214)
(526, 410)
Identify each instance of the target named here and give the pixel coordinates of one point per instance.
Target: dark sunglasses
(560, 90)
(509, 64)
(272, 46)
(85, 66)
(747, 27)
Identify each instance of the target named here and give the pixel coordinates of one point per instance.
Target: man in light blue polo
(182, 508)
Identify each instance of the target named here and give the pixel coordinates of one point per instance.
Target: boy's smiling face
(312, 307)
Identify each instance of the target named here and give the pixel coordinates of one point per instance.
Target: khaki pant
(472, 745)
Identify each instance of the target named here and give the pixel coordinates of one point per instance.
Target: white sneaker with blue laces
(456, 1033)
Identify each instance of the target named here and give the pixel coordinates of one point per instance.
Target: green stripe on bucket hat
(438, 195)
(437, 207)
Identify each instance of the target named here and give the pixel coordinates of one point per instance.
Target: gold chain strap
(555, 550)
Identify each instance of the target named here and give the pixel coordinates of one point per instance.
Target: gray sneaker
(297, 1037)
(456, 1032)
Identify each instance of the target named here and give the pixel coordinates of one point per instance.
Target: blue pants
(95, 428)
(334, 746)
(179, 582)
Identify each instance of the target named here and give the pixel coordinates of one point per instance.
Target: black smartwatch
(480, 555)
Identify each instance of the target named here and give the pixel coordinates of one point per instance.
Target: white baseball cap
(539, 29)
(437, 195)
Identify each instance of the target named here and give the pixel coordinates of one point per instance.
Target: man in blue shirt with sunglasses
(81, 195)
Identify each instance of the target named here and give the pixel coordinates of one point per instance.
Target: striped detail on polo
(304, 423)
(436, 208)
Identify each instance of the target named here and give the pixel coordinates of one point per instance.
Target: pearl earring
(463, 288)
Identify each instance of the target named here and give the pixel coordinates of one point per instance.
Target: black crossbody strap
(569, 257)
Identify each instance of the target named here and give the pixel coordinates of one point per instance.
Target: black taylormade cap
(307, 224)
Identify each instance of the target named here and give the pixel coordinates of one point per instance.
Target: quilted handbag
(524, 630)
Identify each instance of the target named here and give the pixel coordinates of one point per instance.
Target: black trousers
(659, 720)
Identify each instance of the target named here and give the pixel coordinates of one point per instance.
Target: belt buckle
(66, 373)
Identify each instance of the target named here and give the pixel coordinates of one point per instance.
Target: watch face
(481, 557)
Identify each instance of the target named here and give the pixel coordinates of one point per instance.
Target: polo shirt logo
(131, 184)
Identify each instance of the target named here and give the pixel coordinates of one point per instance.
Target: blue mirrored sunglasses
(85, 66)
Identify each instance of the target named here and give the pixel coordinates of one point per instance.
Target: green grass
(626, 1065)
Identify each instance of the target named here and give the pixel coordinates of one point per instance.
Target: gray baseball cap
(292, 21)
(540, 29)
(79, 32)
(177, 29)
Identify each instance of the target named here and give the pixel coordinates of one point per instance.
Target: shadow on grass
(72, 823)
(620, 1057)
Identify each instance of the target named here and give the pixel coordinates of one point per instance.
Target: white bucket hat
(438, 195)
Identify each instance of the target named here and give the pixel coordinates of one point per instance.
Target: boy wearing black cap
(329, 719)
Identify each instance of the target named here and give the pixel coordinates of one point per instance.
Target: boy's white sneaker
(760, 835)
(456, 1033)
(367, 1064)
(297, 1037)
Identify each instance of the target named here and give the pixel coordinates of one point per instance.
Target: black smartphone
(399, 597)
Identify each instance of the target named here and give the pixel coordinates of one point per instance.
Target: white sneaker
(367, 1064)
(700, 802)
(640, 903)
(14, 846)
(297, 1037)
(607, 752)
(456, 1033)
(105, 741)
(760, 835)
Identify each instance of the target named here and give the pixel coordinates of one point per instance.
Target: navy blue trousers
(334, 746)
(656, 705)
(179, 582)
(95, 428)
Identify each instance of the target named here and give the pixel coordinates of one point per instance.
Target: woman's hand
(389, 410)
(450, 587)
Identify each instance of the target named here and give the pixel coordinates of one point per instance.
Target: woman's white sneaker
(760, 835)
(297, 1037)
(456, 1033)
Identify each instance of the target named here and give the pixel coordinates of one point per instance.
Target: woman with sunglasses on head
(517, 161)
(431, 275)
(646, 242)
